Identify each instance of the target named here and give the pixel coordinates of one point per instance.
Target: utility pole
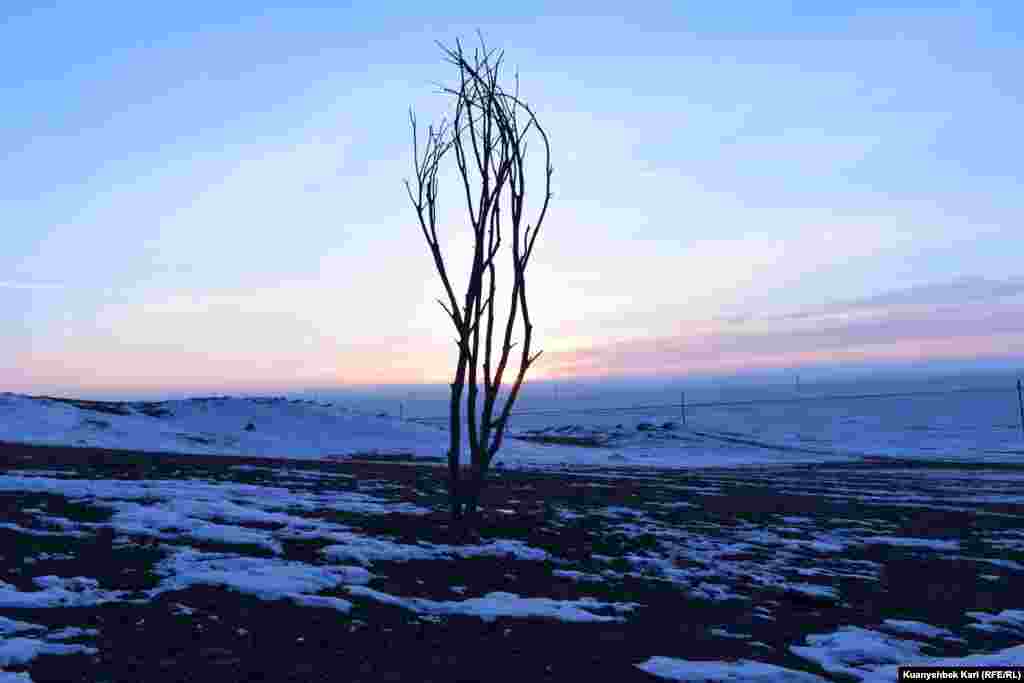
(682, 406)
(1020, 406)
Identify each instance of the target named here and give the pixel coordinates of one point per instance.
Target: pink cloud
(888, 328)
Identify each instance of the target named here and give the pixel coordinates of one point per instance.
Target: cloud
(944, 295)
(964, 318)
(8, 284)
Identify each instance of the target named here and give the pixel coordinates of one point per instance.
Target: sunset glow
(211, 199)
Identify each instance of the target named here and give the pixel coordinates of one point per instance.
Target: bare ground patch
(698, 565)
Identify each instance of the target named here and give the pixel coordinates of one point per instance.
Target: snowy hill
(214, 426)
(279, 427)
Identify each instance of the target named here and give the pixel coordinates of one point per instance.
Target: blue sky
(208, 195)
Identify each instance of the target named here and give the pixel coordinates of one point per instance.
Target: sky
(209, 196)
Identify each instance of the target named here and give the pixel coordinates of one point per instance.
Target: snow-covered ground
(864, 655)
(970, 415)
(307, 537)
(981, 426)
(218, 426)
(278, 427)
(971, 426)
(239, 534)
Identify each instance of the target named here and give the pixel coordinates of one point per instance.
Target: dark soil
(236, 637)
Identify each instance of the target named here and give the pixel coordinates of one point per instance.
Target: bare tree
(487, 135)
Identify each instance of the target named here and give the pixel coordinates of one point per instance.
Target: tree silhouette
(487, 135)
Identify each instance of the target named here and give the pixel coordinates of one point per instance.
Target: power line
(713, 404)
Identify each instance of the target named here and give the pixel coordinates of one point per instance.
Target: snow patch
(266, 578)
(902, 542)
(870, 656)
(18, 651)
(720, 672)
(851, 650)
(1007, 620)
(366, 550)
(78, 591)
(9, 677)
(501, 604)
(916, 628)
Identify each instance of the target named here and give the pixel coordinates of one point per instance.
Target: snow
(9, 677)
(725, 633)
(731, 561)
(1013, 656)
(1007, 620)
(265, 578)
(851, 649)
(874, 657)
(20, 650)
(500, 548)
(182, 609)
(1005, 564)
(282, 428)
(813, 590)
(216, 426)
(916, 628)
(72, 632)
(901, 542)
(711, 560)
(939, 489)
(501, 604)
(324, 601)
(311, 430)
(576, 575)
(8, 626)
(715, 672)
(965, 425)
(173, 509)
(78, 591)
(50, 556)
(862, 654)
(947, 426)
(37, 532)
(16, 651)
(148, 520)
(366, 550)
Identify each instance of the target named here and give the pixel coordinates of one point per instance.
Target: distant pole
(682, 406)
(401, 410)
(1020, 406)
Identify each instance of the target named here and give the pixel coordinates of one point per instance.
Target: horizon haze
(208, 198)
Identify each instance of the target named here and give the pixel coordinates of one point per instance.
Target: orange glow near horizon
(184, 373)
(226, 213)
(911, 350)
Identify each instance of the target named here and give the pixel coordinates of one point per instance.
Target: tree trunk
(455, 437)
(473, 488)
(488, 140)
(454, 501)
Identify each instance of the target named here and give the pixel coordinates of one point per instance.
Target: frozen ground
(963, 427)
(274, 427)
(144, 568)
(967, 416)
(982, 426)
(773, 548)
(278, 427)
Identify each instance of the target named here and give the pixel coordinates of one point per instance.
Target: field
(119, 566)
